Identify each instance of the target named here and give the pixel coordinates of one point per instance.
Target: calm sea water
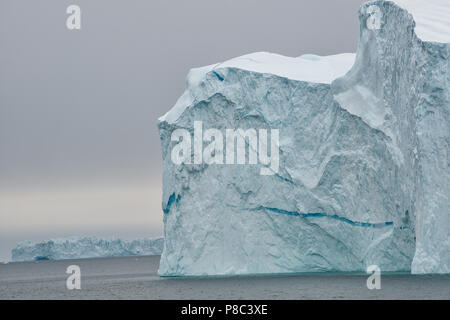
(136, 278)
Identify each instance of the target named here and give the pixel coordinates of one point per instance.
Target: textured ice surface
(311, 68)
(363, 170)
(400, 85)
(85, 247)
(431, 17)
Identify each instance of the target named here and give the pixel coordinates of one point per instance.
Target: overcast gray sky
(79, 147)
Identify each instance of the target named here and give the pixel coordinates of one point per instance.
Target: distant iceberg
(85, 247)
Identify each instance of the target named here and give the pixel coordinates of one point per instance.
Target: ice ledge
(309, 68)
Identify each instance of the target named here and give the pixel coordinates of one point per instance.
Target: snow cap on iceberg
(432, 18)
(309, 67)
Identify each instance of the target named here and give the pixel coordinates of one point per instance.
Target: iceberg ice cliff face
(85, 247)
(363, 165)
(406, 78)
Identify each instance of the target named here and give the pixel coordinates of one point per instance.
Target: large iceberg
(85, 247)
(358, 172)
